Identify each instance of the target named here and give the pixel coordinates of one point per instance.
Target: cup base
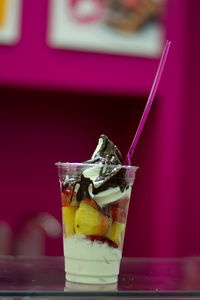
(91, 279)
(77, 286)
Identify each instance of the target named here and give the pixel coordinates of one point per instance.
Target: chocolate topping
(83, 190)
(105, 155)
(117, 178)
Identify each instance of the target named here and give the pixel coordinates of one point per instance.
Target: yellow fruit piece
(115, 232)
(89, 221)
(73, 201)
(68, 213)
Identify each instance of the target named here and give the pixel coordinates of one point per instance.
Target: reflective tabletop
(141, 278)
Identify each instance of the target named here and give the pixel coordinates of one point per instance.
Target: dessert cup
(94, 219)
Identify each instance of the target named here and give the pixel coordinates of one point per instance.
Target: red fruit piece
(65, 199)
(66, 196)
(102, 239)
(130, 4)
(118, 210)
(121, 203)
(67, 191)
(118, 214)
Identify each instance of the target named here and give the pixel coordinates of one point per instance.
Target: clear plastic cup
(94, 227)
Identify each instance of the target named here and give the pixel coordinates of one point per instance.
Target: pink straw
(149, 103)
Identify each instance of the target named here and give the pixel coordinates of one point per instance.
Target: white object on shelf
(31, 239)
(64, 31)
(10, 21)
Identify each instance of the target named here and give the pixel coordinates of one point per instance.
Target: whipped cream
(105, 179)
(111, 195)
(93, 173)
(98, 148)
(107, 196)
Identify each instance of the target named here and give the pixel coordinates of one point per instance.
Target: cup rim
(66, 164)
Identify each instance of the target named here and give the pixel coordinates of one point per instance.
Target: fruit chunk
(102, 239)
(91, 202)
(90, 221)
(122, 203)
(67, 198)
(69, 219)
(118, 210)
(118, 214)
(115, 232)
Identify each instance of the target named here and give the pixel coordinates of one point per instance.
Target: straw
(149, 103)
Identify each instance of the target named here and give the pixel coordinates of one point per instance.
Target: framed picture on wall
(10, 21)
(129, 27)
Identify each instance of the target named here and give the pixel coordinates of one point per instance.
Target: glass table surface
(141, 278)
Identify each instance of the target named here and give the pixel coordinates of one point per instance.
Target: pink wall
(40, 126)
(190, 194)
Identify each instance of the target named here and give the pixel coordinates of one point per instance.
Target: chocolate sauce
(83, 190)
(118, 178)
(107, 155)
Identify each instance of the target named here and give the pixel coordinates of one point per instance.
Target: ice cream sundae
(95, 197)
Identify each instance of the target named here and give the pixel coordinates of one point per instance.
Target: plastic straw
(149, 103)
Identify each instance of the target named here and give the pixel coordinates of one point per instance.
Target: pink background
(55, 104)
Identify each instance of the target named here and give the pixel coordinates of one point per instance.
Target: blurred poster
(130, 27)
(10, 19)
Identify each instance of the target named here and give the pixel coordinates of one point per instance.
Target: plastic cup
(83, 287)
(93, 235)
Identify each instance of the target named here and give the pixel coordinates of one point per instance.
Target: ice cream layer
(110, 196)
(91, 261)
